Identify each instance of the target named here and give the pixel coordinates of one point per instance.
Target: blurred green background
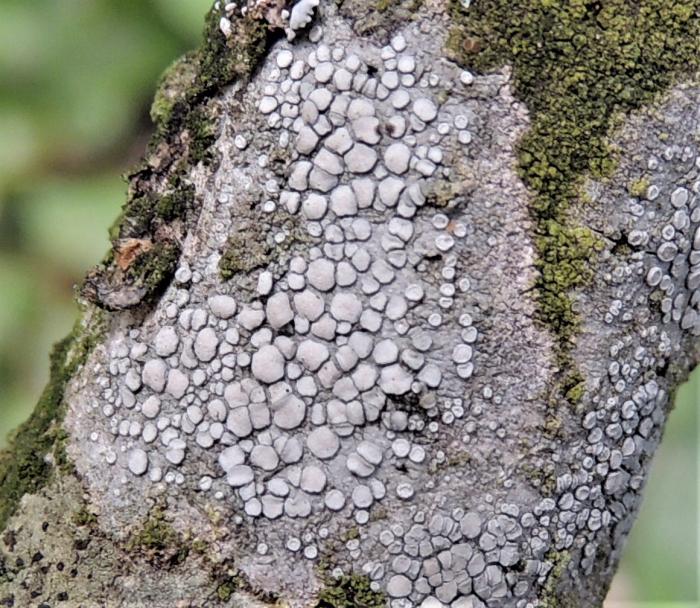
(76, 81)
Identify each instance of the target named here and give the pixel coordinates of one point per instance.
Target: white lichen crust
(300, 16)
(293, 20)
(371, 394)
(648, 309)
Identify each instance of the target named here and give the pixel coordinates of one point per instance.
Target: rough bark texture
(353, 345)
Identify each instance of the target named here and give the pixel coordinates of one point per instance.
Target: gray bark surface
(382, 411)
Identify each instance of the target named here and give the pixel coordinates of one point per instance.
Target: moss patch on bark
(174, 84)
(243, 254)
(158, 542)
(218, 62)
(579, 65)
(161, 205)
(378, 17)
(37, 446)
(352, 591)
(554, 596)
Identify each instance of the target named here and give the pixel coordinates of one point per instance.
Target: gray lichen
(360, 411)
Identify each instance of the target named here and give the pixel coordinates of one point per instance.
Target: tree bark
(324, 363)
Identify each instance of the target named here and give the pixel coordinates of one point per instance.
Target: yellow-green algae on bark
(579, 65)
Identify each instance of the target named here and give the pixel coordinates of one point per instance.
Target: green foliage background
(76, 81)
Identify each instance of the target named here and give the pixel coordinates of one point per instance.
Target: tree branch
(392, 317)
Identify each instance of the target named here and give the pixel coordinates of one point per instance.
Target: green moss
(180, 103)
(575, 392)
(175, 204)
(143, 214)
(201, 129)
(141, 218)
(200, 546)
(553, 596)
(243, 253)
(174, 87)
(458, 458)
(578, 65)
(154, 268)
(135, 219)
(226, 590)
(443, 193)
(351, 534)
(158, 542)
(379, 513)
(140, 267)
(198, 75)
(351, 592)
(567, 261)
(156, 534)
(188, 84)
(229, 580)
(544, 479)
(168, 208)
(224, 60)
(638, 188)
(185, 114)
(61, 460)
(27, 464)
(84, 517)
(378, 17)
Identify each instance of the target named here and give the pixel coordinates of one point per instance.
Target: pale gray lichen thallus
(295, 392)
(314, 396)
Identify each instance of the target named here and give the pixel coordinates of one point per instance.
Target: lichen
(578, 65)
(353, 591)
(36, 447)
